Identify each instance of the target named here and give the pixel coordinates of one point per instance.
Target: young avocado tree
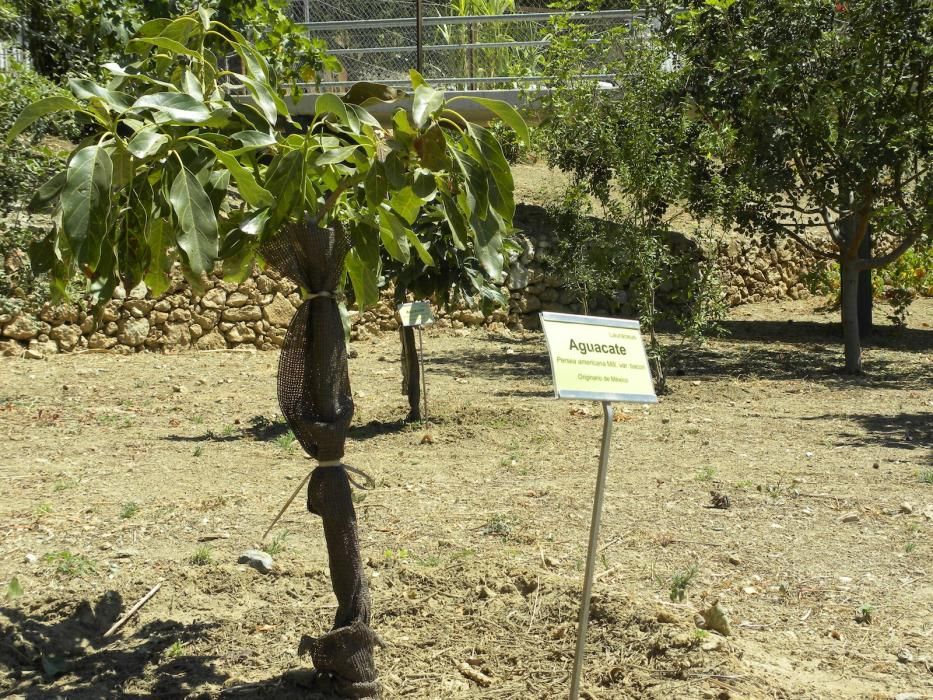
(456, 276)
(825, 130)
(185, 163)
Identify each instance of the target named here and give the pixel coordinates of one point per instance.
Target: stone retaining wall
(256, 312)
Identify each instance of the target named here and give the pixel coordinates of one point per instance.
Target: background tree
(455, 277)
(176, 169)
(822, 112)
(73, 37)
(631, 155)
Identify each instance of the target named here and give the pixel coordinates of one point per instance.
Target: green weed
(277, 544)
(679, 581)
(70, 565)
(129, 510)
(14, 589)
(64, 484)
(705, 474)
(863, 615)
(497, 525)
(202, 556)
(285, 441)
(926, 476)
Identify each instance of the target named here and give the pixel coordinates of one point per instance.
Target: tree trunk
(865, 297)
(411, 372)
(850, 328)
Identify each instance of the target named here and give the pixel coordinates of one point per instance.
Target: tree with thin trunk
(821, 111)
(188, 162)
(456, 277)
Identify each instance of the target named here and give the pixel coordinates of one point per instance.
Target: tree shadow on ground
(291, 685)
(60, 651)
(791, 331)
(375, 428)
(903, 431)
(522, 359)
(806, 351)
(261, 429)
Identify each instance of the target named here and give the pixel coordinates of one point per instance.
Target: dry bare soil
(121, 472)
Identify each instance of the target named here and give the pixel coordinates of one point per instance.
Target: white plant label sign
(603, 359)
(416, 313)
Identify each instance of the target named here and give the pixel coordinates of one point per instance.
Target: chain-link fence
(377, 40)
(13, 55)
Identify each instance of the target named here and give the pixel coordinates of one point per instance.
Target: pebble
(261, 561)
(905, 656)
(906, 508)
(908, 696)
(32, 354)
(179, 389)
(32, 558)
(850, 518)
(734, 560)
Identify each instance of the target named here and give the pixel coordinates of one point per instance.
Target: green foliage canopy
(68, 37)
(185, 160)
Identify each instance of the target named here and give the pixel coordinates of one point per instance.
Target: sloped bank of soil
(120, 472)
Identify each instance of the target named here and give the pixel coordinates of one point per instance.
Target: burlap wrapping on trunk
(314, 395)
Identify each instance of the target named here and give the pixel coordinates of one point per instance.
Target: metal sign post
(592, 551)
(602, 359)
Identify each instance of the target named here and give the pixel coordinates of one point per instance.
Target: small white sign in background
(416, 313)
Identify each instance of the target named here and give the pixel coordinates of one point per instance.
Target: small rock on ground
(260, 561)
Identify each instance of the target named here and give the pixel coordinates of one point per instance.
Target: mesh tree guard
(411, 368)
(314, 395)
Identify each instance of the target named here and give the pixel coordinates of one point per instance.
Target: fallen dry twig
(135, 609)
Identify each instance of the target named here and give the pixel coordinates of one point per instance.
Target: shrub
(30, 160)
(19, 287)
(24, 165)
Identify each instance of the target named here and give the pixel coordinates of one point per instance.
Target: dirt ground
(122, 472)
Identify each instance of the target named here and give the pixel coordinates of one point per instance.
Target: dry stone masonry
(255, 313)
